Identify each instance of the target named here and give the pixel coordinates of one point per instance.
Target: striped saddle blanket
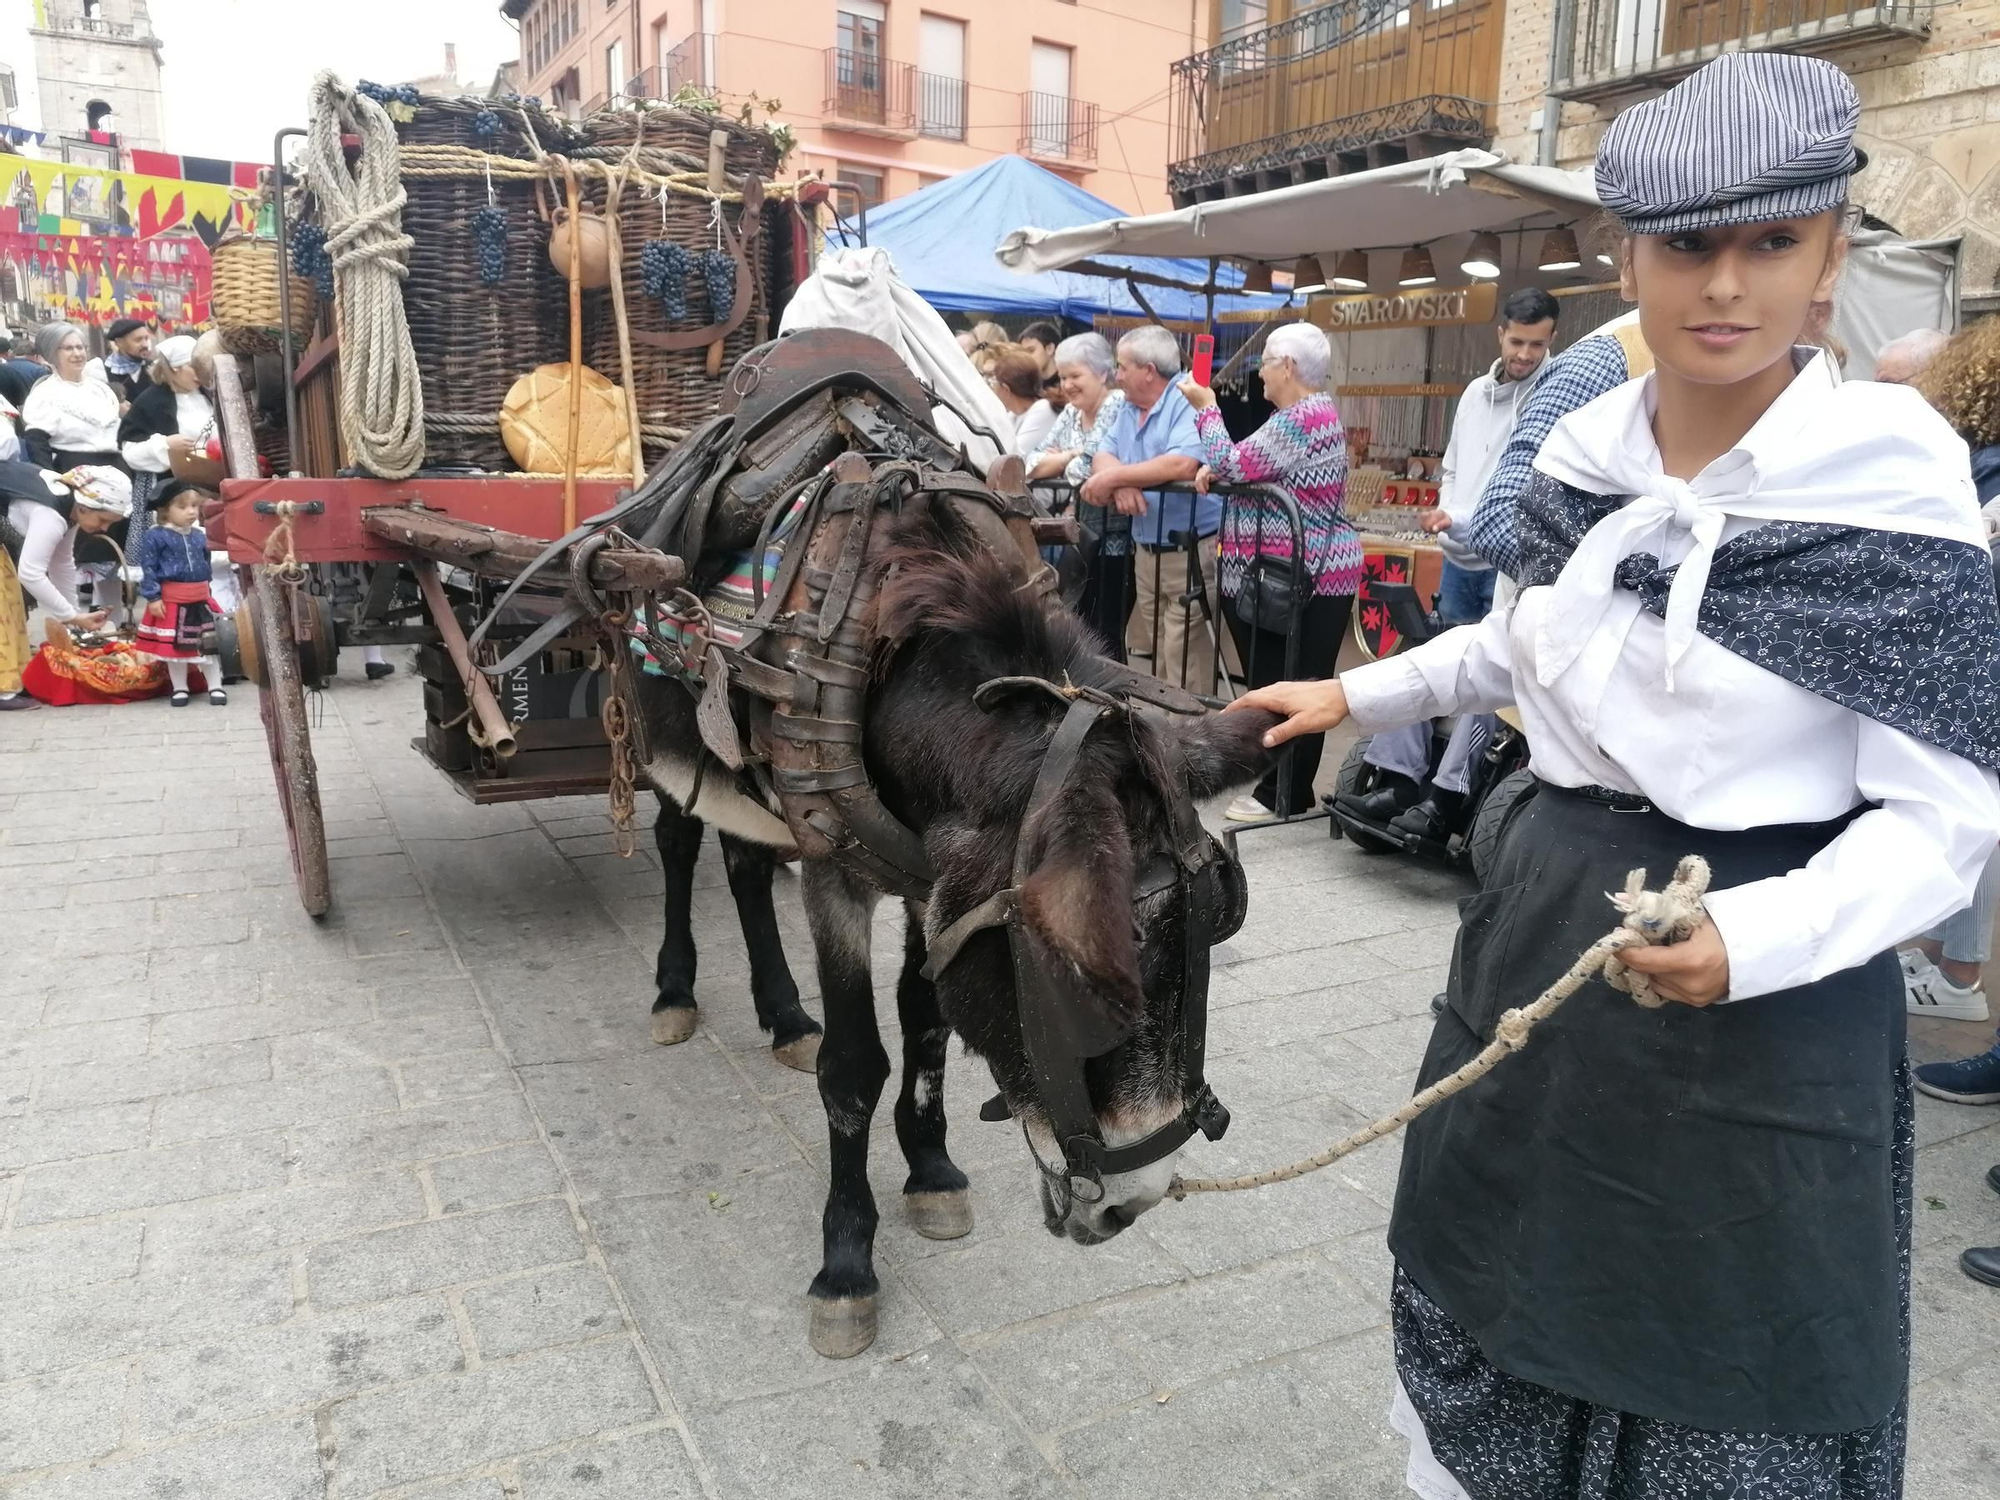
(730, 602)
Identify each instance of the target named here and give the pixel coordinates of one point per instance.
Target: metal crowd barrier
(1107, 574)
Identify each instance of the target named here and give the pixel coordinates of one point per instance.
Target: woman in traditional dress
(43, 516)
(70, 421)
(1302, 450)
(169, 419)
(1665, 1252)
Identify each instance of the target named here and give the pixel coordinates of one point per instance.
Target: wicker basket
(473, 341)
(674, 388)
(245, 295)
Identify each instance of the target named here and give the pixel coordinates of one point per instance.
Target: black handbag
(1273, 595)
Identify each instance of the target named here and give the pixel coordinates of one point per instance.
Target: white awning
(1410, 203)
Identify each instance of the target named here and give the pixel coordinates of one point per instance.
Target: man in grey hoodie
(1479, 433)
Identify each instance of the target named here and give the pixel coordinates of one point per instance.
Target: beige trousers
(1167, 637)
(14, 647)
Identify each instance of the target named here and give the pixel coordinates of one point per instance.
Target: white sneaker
(1247, 810)
(1926, 992)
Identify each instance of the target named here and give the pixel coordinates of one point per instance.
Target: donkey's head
(1099, 912)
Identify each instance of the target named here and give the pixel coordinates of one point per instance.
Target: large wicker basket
(674, 388)
(245, 295)
(473, 340)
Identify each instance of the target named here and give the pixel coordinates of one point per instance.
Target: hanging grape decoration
(663, 272)
(310, 257)
(486, 124)
(489, 238)
(718, 271)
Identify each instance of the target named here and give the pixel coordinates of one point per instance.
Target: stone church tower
(95, 58)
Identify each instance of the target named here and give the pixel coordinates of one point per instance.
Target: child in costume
(175, 575)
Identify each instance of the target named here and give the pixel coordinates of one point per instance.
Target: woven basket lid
(534, 422)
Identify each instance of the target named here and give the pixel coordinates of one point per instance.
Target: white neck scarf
(1862, 455)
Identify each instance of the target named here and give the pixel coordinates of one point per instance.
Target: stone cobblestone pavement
(404, 1203)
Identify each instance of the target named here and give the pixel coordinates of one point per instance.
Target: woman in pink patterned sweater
(1302, 450)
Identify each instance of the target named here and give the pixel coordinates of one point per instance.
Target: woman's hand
(1694, 971)
(1203, 478)
(91, 621)
(1308, 707)
(178, 448)
(1200, 397)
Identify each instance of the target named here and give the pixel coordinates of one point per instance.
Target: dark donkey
(953, 613)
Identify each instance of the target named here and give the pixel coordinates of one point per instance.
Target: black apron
(1684, 1214)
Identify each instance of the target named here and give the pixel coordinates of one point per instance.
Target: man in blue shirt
(1154, 442)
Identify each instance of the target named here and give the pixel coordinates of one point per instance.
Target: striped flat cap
(1751, 137)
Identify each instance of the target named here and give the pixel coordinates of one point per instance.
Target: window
(858, 34)
(941, 81)
(867, 179)
(1239, 16)
(96, 112)
(1049, 102)
(614, 68)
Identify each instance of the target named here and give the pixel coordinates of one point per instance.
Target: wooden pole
(575, 349)
(718, 183)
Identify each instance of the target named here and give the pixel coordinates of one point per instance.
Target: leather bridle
(1061, 1030)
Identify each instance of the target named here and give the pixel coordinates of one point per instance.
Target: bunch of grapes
(310, 258)
(489, 235)
(719, 272)
(407, 94)
(486, 124)
(378, 92)
(663, 271)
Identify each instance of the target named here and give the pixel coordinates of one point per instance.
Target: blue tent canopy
(942, 240)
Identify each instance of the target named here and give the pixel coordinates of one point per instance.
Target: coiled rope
(381, 392)
(1650, 917)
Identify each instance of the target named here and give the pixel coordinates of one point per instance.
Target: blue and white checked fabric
(1575, 378)
(1751, 137)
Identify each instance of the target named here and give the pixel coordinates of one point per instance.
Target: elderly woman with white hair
(1085, 365)
(1301, 450)
(45, 513)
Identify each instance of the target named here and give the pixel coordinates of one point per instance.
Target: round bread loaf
(534, 422)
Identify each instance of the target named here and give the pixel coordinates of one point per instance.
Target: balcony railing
(90, 26)
(1605, 48)
(1318, 92)
(1056, 127)
(941, 106)
(865, 91)
(692, 63)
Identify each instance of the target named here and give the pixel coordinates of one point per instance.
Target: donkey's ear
(1077, 899)
(1223, 751)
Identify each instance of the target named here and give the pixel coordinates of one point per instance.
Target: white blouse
(1031, 428)
(48, 557)
(194, 417)
(1717, 742)
(77, 415)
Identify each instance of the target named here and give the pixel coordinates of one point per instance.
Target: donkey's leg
(679, 840)
(795, 1036)
(935, 1195)
(852, 1069)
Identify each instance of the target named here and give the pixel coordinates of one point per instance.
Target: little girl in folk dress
(175, 581)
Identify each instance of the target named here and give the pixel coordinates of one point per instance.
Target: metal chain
(618, 729)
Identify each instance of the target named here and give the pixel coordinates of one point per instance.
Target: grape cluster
(310, 257)
(382, 93)
(663, 271)
(719, 271)
(486, 124)
(489, 234)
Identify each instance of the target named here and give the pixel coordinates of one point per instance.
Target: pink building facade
(893, 94)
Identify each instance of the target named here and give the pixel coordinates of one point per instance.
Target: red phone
(1204, 358)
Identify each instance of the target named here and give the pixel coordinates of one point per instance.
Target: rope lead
(1651, 917)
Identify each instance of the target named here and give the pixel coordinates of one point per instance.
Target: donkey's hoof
(801, 1052)
(842, 1326)
(674, 1025)
(940, 1216)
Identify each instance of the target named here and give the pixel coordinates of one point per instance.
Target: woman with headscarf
(46, 513)
(170, 419)
(1665, 1251)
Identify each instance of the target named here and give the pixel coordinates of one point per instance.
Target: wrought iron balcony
(941, 103)
(1605, 48)
(1337, 88)
(1055, 127)
(867, 92)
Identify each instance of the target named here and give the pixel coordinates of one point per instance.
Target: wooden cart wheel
(281, 703)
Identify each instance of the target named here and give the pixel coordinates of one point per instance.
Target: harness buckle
(1210, 1114)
